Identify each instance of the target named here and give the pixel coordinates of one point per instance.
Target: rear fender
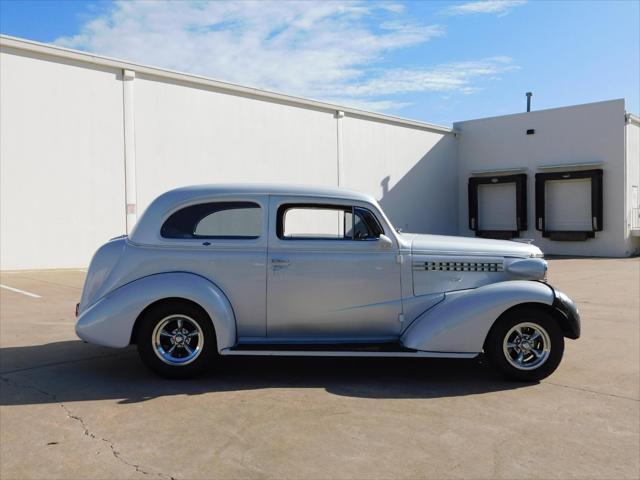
(461, 322)
(110, 320)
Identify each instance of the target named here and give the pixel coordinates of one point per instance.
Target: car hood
(447, 245)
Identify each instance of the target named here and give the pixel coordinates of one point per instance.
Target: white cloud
(451, 77)
(500, 7)
(326, 50)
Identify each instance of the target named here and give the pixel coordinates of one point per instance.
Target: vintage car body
(368, 291)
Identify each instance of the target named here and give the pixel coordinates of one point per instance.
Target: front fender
(110, 320)
(461, 322)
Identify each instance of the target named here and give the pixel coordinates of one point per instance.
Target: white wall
(632, 137)
(578, 134)
(61, 169)
(63, 166)
(413, 173)
(186, 135)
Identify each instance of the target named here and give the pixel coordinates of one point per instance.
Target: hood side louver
(459, 266)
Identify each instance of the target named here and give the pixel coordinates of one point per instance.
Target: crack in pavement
(580, 389)
(115, 452)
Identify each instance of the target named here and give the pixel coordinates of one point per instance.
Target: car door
(331, 275)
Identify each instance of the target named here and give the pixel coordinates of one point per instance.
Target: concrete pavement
(72, 410)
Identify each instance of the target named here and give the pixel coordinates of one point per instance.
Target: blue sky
(433, 61)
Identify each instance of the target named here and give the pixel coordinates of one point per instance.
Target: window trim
(242, 203)
(282, 210)
(520, 181)
(597, 204)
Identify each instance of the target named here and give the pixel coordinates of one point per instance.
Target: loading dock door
(568, 205)
(498, 205)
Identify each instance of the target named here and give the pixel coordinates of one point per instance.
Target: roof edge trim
(231, 88)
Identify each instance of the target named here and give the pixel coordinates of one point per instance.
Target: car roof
(146, 230)
(267, 189)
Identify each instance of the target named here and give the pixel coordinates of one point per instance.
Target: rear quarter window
(221, 220)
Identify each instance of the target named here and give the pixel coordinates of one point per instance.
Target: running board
(345, 353)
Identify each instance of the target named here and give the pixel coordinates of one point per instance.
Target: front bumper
(567, 308)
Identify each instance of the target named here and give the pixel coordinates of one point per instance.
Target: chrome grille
(459, 266)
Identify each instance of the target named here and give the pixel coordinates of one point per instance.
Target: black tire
(154, 317)
(495, 351)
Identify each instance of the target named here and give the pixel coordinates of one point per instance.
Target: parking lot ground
(73, 410)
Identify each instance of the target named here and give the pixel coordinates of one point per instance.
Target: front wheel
(525, 344)
(176, 339)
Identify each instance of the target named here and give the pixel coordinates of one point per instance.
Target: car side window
(327, 222)
(216, 220)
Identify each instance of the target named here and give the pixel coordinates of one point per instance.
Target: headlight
(528, 268)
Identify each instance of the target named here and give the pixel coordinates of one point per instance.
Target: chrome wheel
(177, 340)
(526, 346)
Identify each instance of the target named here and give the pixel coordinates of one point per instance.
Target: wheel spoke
(526, 345)
(178, 339)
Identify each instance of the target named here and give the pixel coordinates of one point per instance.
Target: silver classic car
(272, 270)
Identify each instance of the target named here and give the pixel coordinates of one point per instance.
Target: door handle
(279, 262)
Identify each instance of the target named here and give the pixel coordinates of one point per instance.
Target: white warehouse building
(87, 142)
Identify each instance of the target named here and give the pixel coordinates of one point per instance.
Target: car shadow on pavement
(72, 371)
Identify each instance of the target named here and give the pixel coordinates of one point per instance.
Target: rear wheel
(176, 339)
(525, 344)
